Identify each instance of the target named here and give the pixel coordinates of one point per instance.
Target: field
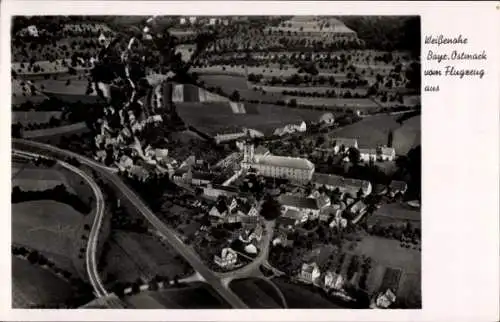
(303, 296)
(353, 103)
(265, 71)
(75, 87)
(404, 265)
(194, 296)
(374, 130)
(33, 286)
(136, 255)
(230, 83)
(29, 177)
(396, 215)
(408, 135)
(218, 117)
(46, 225)
(256, 294)
(34, 117)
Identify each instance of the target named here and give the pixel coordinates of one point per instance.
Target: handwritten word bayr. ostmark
(456, 55)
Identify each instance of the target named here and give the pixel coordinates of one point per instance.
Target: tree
(271, 208)
(235, 96)
(354, 155)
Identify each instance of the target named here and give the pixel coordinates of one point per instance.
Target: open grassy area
(46, 225)
(408, 135)
(404, 263)
(29, 177)
(396, 214)
(374, 130)
(136, 255)
(194, 296)
(33, 286)
(255, 294)
(26, 117)
(218, 117)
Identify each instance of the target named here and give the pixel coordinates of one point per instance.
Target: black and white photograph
(216, 162)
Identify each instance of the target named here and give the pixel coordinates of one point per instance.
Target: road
(90, 255)
(168, 234)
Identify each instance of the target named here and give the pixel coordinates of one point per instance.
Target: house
(233, 218)
(332, 211)
(358, 208)
(307, 206)
(341, 145)
(310, 272)
(227, 259)
(367, 155)
(233, 203)
(387, 154)
(291, 128)
(344, 185)
(220, 209)
(282, 239)
(296, 216)
(384, 300)
(285, 222)
(333, 280)
(397, 187)
(257, 233)
(323, 201)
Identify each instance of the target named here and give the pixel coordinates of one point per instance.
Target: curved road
(90, 255)
(168, 234)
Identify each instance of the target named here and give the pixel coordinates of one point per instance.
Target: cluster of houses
(238, 210)
(335, 282)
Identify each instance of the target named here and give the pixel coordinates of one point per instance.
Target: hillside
(386, 32)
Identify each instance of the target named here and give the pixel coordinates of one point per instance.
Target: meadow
(34, 286)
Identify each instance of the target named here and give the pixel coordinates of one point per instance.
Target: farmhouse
(345, 185)
(291, 128)
(333, 280)
(227, 259)
(302, 208)
(294, 169)
(310, 272)
(341, 145)
(397, 187)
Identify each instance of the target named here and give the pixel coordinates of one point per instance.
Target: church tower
(248, 153)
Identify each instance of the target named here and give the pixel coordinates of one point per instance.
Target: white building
(341, 145)
(384, 300)
(310, 272)
(291, 128)
(345, 185)
(227, 259)
(334, 281)
(294, 169)
(378, 154)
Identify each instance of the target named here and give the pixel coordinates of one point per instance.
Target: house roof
(309, 267)
(285, 162)
(339, 181)
(358, 206)
(396, 185)
(293, 214)
(367, 151)
(347, 142)
(387, 151)
(285, 221)
(299, 202)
